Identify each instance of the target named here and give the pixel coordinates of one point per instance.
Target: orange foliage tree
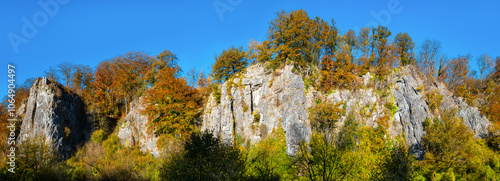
(174, 103)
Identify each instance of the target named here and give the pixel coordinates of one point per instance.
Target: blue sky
(87, 32)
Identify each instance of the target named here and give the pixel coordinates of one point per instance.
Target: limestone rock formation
(134, 130)
(256, 102)
(56, 116)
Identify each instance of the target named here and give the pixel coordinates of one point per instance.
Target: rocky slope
(134, 130)
(55, 116)
(255, 102)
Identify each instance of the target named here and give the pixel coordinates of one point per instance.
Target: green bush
(267, 160)
(98, 136)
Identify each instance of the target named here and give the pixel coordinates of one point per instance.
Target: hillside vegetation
(341, 146)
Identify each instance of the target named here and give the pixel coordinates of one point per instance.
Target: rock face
(472, 117)
(280, 97)
(256, 102)
(56, 116)
(412, 109)
(134, 130)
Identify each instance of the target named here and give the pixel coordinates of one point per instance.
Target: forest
(327, 59)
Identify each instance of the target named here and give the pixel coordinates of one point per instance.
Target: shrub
(324, 116)
(256, 116)
(267, 160)
(205, 157)
(98, 136)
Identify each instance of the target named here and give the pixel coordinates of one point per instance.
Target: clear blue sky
(87, 32)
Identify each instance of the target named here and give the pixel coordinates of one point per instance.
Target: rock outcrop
(472, 117)
(56, 116)
(412, 109)
(256, 102)
(134, 130)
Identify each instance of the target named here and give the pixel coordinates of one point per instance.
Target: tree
(457, 71)
(172, 104)
(66, 69)
(52, 74)
(165, 59)
(205, 157)
(192, 77)
(453, 152)
(404, 45)
(339, 71)
(324, 116)
(82, 77)
(485, 64)
(398, 164)
(290, 37)
(322, 159)
(228, 63)
(268, 160)
(428, 55)
(442, 66)
(497, 67)
(381, 56)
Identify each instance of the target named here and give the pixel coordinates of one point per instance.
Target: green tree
(268, 160)
(228, 63)
(453, 152)
(321, 159)
(329, 157)
(398, 165)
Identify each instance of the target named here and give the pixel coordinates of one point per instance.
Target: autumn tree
(381, 50)
(350, 39)
(339, 70)
(66, 69)
(290, 37)
(130, 71)
(165, 59)
(228, 63)
(296, 37)
(457, 71)
(404, 45)
(172, 104)
(116, 83)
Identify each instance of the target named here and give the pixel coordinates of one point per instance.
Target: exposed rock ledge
(134, 130)
(56, 116)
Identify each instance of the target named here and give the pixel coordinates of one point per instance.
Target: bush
(110, 161)
(98, 136)
(256, 116)
(324, 116)
(267, 160)
(35, 160)
(205, 157)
